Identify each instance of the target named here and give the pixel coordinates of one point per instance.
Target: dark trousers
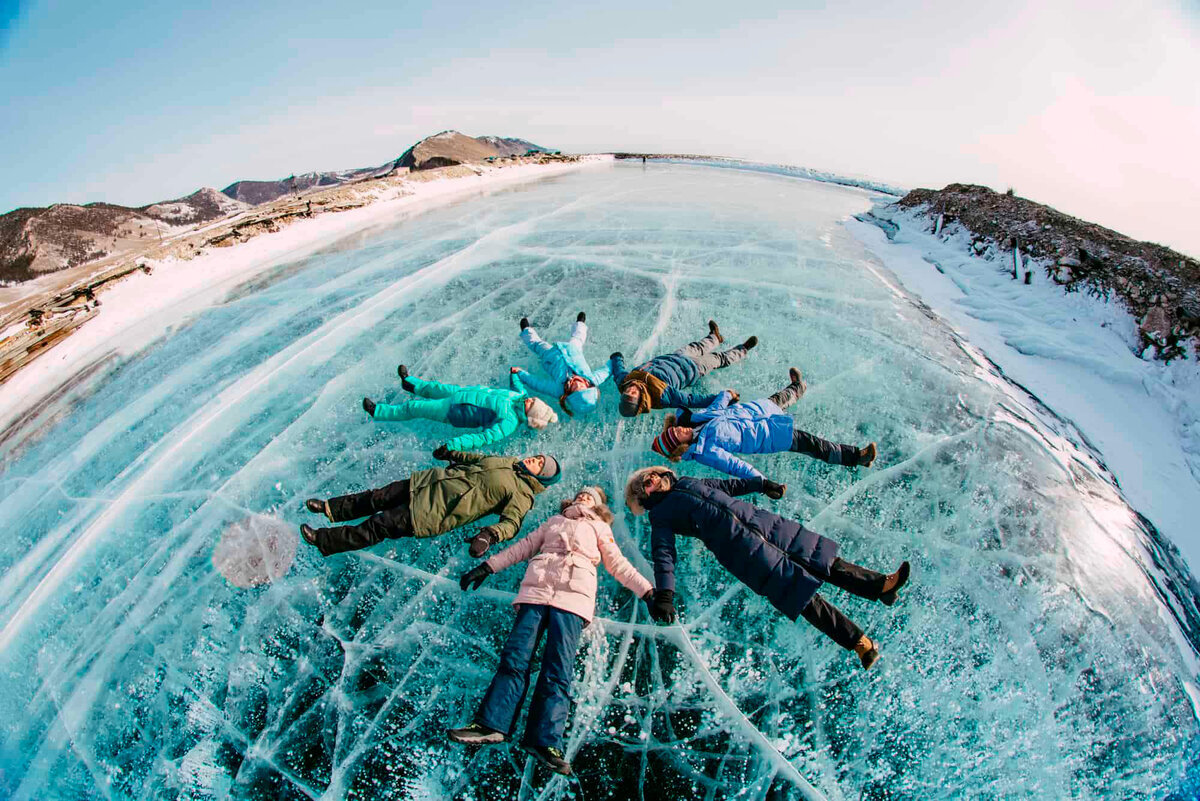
(823, 449)
(827, 618)
(702, 353)
(551, 697)
(389, 518)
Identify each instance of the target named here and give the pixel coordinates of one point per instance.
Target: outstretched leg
(534, 342)
(823, 449)
(702, 347)
(552, 696)
(385, 525)
(411, 409)
(506, 693)
(579, 332)
(361, 504)
(856, 579)
(792, 392)
(832, 622)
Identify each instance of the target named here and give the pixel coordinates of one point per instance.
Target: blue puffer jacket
(561, 360)
(675, 371)
(770, 554)
(753, 427)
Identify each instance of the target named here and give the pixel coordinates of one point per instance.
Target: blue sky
(1091, 107)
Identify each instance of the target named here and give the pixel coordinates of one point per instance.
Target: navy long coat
(773, 556)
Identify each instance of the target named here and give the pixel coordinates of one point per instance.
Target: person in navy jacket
(726, 427)
(777, 558)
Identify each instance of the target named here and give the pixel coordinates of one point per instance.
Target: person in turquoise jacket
(497, 412)
(726, 427)
(572, 381)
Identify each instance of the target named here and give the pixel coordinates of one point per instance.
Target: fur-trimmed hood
(633, 487)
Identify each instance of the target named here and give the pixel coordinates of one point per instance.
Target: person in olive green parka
(432, 502)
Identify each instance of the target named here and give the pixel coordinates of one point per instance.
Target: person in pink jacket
(557, 598)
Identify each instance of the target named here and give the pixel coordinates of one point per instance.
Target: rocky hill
(451, 147)
(258, 192)
(1159, 286)
(34, 241)
(511, 146)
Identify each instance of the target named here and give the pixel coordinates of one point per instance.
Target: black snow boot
(524, 323)
(551, 757)
(402, 371)
(582, 318)
(867, 455)
(713, 328)
(475, 734)
(893, 583)
(318, 507)
(369, 406)
(309, 534)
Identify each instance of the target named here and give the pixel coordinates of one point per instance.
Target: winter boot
(867, 652)
(309, 534)
(795, 375)
(402, 371)
(750, 343)
(524, 323)
(713, 328)
(369, 406)
(475, 734)
(582, 318)
(318, 507)
(893, 583)
(866, 456)
(551, 757)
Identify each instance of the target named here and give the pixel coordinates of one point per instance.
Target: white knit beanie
(540, 415)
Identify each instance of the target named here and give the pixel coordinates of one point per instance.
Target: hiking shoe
(402, 371)
(866, 456)
(713, 328)
(475, 734)
(893, 583)
(750, 343)
(582, 318)
(309, 534)
(551, 757)
(867, 651)
(369, 406)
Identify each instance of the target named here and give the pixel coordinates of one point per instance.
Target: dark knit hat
(666, 442)
(551, 471)
(629, 406)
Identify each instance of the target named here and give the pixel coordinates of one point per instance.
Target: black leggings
(827, 618)
(390, 518)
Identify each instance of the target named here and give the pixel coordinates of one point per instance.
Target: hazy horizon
(1090, 110)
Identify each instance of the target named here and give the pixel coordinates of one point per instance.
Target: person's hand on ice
(483, 540)
(662, 606)
(441, 452)
(475, 576)
(773, 490)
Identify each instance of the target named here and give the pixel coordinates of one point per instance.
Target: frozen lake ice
(1042, 651)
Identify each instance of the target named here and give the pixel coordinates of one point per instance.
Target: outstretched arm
(520, 551)
(616, 366)
(736, 486)
(662, 549)
(543, 386)
(601, 375)
(620, 567)
(463, 457)
(673, 397)
(721, 459)
(512, 515)
(432, 389)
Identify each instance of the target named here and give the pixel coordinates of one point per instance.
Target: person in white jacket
(557, 598)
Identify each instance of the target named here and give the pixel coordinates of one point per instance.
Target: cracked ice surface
(1035, 655)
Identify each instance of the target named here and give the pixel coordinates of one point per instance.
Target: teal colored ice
(1042, 650)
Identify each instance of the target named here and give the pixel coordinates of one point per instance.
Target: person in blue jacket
(572, 381)
(712, 436)
(656, 384)
(775, 557)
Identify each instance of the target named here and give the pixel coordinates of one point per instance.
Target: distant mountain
(257, 192)
(34, 241)
(451, 147)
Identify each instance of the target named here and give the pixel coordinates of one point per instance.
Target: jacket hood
(583, 401)
(633, 487)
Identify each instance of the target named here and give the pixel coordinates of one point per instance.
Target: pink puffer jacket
(563, 554)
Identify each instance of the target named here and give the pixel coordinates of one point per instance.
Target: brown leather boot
(867, 455)
(893, 583)
(713, 328)
(867, 652)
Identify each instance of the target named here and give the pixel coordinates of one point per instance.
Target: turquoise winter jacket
(753, 427)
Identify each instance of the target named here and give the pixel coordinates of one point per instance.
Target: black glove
(616, 355)
(475, 576)
(480, 543)
(662, 608)
(773, 490)
(441, 452)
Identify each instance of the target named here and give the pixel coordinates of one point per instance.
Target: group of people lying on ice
(774, 556)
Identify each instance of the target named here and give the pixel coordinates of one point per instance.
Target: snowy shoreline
(142, 307)
(1075, 353)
